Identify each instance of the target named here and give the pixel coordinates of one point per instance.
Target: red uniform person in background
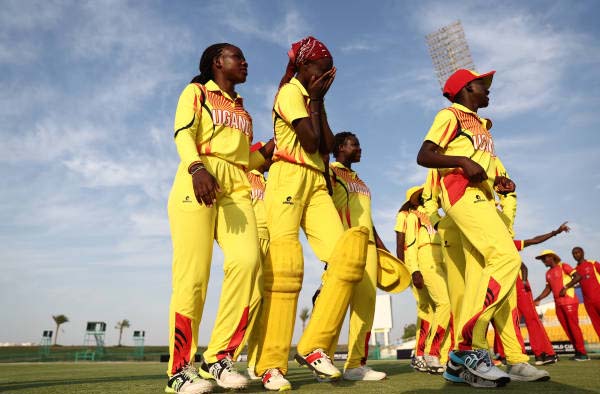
(538, 338)
(590, 285)
(560, 280)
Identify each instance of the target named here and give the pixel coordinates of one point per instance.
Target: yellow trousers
(295, 196)
(362, 311)
(485, 238)
(252, 333)
(194, 228)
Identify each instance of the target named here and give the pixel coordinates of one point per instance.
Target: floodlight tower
(449, 51)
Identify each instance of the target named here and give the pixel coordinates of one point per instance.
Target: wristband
(196, 167)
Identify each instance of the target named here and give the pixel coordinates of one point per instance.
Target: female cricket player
(210, 200)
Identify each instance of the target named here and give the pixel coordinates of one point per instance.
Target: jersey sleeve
(567, 269)
(430, 194)
(443, 129)
(411, 243)
(519, 244)
(187, 124)
(400, 222)
(290, 103)
(597, 266)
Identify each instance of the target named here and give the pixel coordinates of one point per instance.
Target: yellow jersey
(209, 122)
(351, 197)
(461, 132)
(291, 103)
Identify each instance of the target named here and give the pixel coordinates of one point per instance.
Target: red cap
(257, 146)
(461, 77)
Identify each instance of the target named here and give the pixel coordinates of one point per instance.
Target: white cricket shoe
(418, 363)
(433, 364)
(273, 380)
(224, 373)
(188, 381)
(363, 373)
(320, 363)
(525, 372)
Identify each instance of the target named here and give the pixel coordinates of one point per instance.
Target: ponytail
(206, 62)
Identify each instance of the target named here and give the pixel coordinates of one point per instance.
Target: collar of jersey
(213, 87)
(294, 81)
(462, 108)
(343, 167)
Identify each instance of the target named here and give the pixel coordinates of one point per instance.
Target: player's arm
(443, 130)
(400, 240)
(544, 237)
(378, 242)
(575, 278)
(308, 128)
(545, 293)
(187, 125)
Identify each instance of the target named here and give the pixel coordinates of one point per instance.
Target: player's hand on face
(205, 187)
(473, 171)
(318, 87)
(417, 279)
(504, 185)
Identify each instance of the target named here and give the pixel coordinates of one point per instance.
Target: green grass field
(149, 377)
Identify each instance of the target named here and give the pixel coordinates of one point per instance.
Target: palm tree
(59, 319)
(123, 324)
(304, 317)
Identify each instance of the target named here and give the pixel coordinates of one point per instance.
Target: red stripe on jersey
(519, 244)
(456, 184)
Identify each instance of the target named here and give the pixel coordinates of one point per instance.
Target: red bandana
(308, 48)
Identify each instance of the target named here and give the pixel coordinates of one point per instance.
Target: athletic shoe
(453, 372)
(433, 364)
(251, 374)
(539, 360)
(273, 380)
(580, 357)
(459, 374)
(551, 359)
(525, 372)
(188, 381)
(318, 362)
(479, 363)
(418, 363)
(224, 374)
(544, 359)
(363, 373)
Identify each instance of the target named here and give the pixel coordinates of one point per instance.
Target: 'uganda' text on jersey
(461, 132)
(351, 197)
(291, 103)
(209, 122)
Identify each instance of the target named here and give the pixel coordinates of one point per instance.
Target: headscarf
(308, 48)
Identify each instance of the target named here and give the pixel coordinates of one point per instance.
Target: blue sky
(87, 158)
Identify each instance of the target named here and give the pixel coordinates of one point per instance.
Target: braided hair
(340, 139)
(206, 62)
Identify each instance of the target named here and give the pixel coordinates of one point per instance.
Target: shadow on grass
(48, 383)
(548, 387)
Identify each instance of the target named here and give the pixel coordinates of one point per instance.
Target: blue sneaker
(479, 363)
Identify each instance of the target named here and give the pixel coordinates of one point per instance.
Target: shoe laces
(477, 357)
(190, 373)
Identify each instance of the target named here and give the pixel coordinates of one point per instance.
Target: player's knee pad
(347, 262)
(283, 268)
